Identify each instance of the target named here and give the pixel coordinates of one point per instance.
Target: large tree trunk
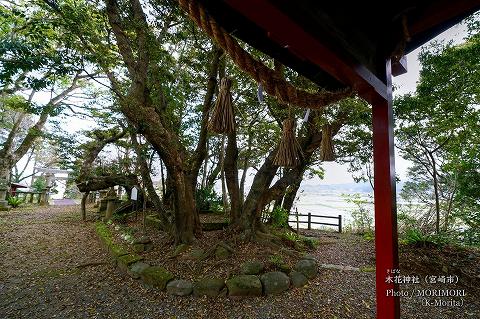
(436, 193)
(201, 151)
(222, 174)
(254, 203)
(292, 191)
(147, 180)
(245, 166)
(96, 183)
(231, 176)
(262, 192)
(185, 221)
(6, 164)
(152, 121)
(83, 205)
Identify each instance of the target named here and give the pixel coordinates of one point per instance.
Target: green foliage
(14, 201)
(361, 214)
(416, 237)
(39, 184)
(413, 236)
(291, 236)
(353, 144)
(311, 243)
(71, 191)
(279, 217)
(30, 48)
(207, 199)
(277, 260)
(404, 220)
(443, 145)
(369, 235)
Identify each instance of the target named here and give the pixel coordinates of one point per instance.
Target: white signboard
(134, 194)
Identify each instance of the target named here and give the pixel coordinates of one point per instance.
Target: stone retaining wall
(252, 282)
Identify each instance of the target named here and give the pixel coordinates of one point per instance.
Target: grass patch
(367, 269)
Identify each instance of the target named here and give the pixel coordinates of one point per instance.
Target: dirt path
(44, 274)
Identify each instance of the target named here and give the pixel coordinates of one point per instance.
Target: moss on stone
(244, 285)
(156, 276)
(129, 259)
(106, 236)
(208, 287)
(104, 233)
(117, 250)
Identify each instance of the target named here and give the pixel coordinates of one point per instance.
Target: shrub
(290, 235)
(414, 236)
(278, 262)
(14, 201)
(279, 217)
(207, 199)
(39, 184)
(361, 214)
(369, 235)
(72, 191)
(311, 243)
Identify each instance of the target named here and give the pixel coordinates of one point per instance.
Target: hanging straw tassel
(326, 149)
(289, 151)
(223, 119)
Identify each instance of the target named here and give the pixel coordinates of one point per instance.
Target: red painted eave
(284, 31)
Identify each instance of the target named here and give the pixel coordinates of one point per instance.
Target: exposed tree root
(91, 264)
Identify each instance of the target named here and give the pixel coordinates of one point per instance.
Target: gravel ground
(53, 266)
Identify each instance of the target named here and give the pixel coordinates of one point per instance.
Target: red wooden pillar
(386, 239)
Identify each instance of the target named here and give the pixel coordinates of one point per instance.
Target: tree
(436, 128)
(167, 96)
(34, 61)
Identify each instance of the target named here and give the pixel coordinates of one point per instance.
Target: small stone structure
(3, 195)
(43, 200)
(239, 286)
(112, 203)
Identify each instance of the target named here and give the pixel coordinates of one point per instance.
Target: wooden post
(386, 240)
(309, 221)
(339, 223)
(298, 226)
(30, 200)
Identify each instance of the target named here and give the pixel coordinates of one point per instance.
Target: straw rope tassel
(289, 153)
(279, 88)
(326, 149)
(223, 118)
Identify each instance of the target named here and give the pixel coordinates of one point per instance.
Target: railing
(309, 220)
(31, 197)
